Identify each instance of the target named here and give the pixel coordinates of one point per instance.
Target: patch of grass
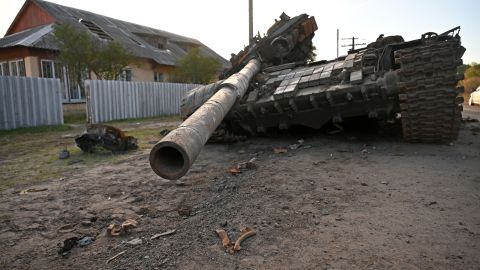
(35, 130)
(146, 138)
(165, 118)
(30, 156)
(75, 117)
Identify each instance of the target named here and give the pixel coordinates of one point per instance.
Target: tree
(196, 68)
(472, 77)
(472, 70)
(75, 51)
(81, 52)
(312, 55)
(110, 59)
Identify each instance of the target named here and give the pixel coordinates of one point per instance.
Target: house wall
(143, 70)
(30, 16)
(12, 53)
(166, 70)
(32, 66)
(31, 57)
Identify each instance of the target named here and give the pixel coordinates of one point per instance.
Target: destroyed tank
(274, 84)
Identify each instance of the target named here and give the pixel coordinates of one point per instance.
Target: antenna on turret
(250, 21)
(353, 43)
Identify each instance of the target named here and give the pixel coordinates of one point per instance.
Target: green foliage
(312, 55)
(75, 50)
(196, 68)
(81, 52)
(110, 59)
(472, 71)
(472, 77)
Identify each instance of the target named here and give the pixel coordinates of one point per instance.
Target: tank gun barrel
(173, 156)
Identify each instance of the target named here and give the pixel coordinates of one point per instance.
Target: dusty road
(351, 201)
(471, 111)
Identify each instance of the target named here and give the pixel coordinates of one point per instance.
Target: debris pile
(107, 137)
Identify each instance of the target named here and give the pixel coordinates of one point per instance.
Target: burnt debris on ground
(107, 137)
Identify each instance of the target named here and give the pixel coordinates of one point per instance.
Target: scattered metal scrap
(280, 150)
(116, 256)
(223, 136)
(243, 166)
(108, 137)
(72, 242)
(468, 119)
(116, 230)
(158, 235)
(67, 228)
(231, 246)
(297, 145)
(31, 190)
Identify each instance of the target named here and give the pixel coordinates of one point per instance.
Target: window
(158, 77)
(125, 75)
(4, 69)
(52, 69)
(17, 68)
(70, 91)
(47, 69)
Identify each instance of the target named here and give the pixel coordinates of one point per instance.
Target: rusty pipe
(173, 156)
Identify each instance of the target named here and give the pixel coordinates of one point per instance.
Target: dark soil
(350, 201)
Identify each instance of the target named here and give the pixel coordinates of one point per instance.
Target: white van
(474, 97)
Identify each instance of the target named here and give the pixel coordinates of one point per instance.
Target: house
(28, 48)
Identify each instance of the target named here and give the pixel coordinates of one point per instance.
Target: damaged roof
(132, 36)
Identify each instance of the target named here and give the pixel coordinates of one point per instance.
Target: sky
(223, 25)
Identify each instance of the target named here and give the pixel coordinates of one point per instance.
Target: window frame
(4, 68)
(57, 69)
(126, 75)
(42, 61)
(19, 69)
(158, 76)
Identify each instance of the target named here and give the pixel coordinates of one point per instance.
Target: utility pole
(353, 43)
(338, 35)
(250, 21)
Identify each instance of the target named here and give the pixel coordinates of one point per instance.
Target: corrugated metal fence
(28, 102)
(114, 100)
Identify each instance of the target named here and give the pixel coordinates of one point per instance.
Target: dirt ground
(349, 201)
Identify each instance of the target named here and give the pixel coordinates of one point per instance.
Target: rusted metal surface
(175, 153)
(107, 137)
(288, 40)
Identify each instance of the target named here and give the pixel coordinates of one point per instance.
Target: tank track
(428, 97)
